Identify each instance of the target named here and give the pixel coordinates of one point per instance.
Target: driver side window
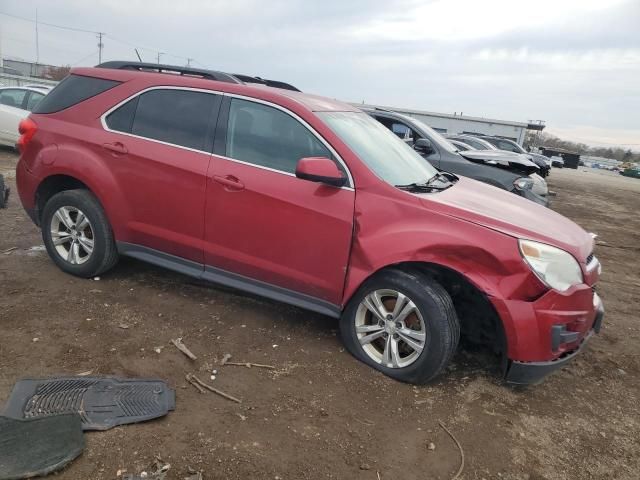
(268, 137)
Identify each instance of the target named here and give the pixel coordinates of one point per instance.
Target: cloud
(573, 62)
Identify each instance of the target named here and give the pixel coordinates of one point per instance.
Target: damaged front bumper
(529, 373)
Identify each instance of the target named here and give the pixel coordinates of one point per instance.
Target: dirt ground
(322, 414)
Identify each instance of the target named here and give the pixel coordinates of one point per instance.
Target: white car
(15, 104)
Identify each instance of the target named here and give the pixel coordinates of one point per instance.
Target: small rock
(213, 377)
(275, 346)
(35, 339)
(431, 446)
(365, 466)
(123, 326)
(97, 279)
(157, 349)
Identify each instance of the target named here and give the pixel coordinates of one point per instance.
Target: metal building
(454, 123)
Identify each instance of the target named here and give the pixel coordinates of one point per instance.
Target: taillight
(27, 129)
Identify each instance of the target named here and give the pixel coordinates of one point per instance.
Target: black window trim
(103, 122)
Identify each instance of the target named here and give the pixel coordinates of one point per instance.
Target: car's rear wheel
(403, 324)
(77, 234)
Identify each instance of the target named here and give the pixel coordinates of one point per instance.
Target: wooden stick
(215, 390)
(189, 378)
(250, 364)
(182, 347)
(459, 448)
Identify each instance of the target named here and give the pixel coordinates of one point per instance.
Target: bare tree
(58, 73)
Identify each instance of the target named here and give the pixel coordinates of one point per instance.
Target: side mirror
(321, 170)
(423, 145)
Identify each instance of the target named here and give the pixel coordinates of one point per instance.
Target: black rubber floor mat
(38, 446)
(101, 402)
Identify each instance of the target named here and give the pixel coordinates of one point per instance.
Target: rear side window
(13, 97)
(71, 91)
(179, 117)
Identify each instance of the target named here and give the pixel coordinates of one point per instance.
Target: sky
(573, 63)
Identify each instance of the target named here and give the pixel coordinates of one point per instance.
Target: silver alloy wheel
(72, 235)
(390, 328)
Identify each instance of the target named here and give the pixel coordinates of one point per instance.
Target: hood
(512, 215)
(506, 159)
(539, 157)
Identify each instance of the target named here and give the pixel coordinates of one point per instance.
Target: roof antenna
(139, 58)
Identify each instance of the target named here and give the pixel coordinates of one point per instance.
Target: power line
(48, 24)
(99, 34)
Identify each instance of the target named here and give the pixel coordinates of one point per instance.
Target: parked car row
(505, 170)
(312, 202)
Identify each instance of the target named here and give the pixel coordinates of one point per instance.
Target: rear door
(264, 223)
(158, 146)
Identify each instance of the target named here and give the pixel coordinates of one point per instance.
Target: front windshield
(389, 157)
(434, 136)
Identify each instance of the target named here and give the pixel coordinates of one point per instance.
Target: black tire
(104, 255)
(439, 315)
(4, 193)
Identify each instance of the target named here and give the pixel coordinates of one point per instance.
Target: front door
(262, 222)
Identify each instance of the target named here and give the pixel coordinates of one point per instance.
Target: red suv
(308, 201)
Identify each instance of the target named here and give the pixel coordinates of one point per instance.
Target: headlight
(523, 183)
(554, 267)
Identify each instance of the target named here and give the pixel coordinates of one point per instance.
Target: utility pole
(100, 46)
(159, 53)
(1, 57)
(37, 45)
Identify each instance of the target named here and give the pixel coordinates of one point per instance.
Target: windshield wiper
(429, 185)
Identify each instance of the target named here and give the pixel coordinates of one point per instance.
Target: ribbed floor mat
(101, 402)
(38, 446)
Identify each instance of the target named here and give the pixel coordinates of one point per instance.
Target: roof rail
(194, 72)
(264, 81)
(170, 69)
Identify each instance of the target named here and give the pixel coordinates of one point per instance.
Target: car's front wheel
(77, 234)
(403, 324)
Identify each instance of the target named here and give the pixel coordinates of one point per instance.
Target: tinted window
(121, 119)
(71, 91)
(180, 117)
(266, 136)
(34, 98)
(13, 97)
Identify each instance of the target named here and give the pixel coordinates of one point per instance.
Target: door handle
(115, 147)
(229, 181)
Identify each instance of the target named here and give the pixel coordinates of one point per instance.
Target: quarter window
(178, 117)
(268, 137)
(33, 100)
